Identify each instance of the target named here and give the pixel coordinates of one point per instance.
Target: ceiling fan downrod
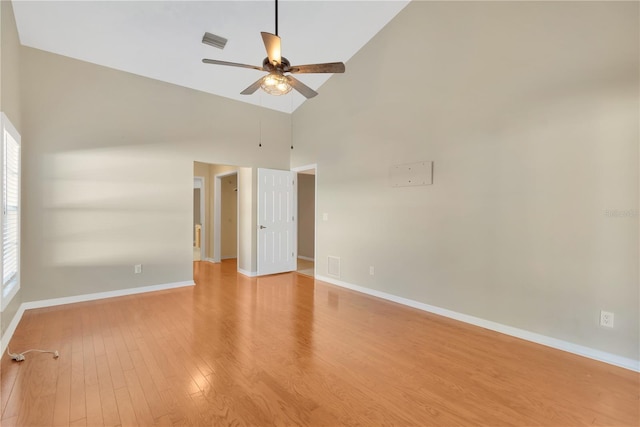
(276, 17)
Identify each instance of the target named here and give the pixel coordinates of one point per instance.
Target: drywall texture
(306, 214)
(10, 105)
(108, 161)
(530, 113)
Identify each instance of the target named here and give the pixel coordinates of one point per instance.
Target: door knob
(262, 227)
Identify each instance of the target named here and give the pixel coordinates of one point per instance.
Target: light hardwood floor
(285, 350)
(305, 267)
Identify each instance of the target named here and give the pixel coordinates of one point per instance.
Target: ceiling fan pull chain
(276, 17)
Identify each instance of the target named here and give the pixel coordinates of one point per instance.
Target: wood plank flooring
(288, 350)
(305, 267)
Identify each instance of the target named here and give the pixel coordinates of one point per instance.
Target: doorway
(198, 218)
(306, 219)
(238, 218)
(225, 216)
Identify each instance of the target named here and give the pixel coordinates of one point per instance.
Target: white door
(276, 221)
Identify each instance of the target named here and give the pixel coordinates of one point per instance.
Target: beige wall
(9, 66)
(306, 214)
(247, 227)
(197, 214)
(229, 217)
(10, 105)
(108, 161)
(203, 170)
(530, 113)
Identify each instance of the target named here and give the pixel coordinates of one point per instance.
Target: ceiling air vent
(213, 40)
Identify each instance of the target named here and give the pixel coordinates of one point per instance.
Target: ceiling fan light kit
(276, 82)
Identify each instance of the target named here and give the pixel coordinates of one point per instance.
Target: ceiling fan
(277, 82)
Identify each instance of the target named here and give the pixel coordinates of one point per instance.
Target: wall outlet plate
(137, 269)
(606, 319)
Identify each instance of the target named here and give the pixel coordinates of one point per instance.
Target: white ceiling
(162, 39)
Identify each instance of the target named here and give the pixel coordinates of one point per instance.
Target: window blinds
(10, 217)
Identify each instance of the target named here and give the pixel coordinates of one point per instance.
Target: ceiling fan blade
(305, 90)
(272, 45)
(254, 86)
(232, 64)
(329, 67)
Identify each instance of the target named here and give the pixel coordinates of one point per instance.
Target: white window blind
(10, 211)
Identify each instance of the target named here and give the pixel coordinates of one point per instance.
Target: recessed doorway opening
(199, 237)
(225, 217)
(306, 178)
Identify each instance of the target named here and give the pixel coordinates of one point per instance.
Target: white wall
(530, 113)
(108, 163)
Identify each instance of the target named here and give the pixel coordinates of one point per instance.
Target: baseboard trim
(8, 333)
(248, 273)
(211, 260)
(558, 344)
(228, 257)
(6, 337)
(306, 258)
(102, 295)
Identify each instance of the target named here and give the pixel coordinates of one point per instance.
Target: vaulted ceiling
(162, 39)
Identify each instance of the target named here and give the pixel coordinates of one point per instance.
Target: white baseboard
(248, 273)
(306, 258)
(580, 350)
(6, 337)
(8, 333)
(211, 260)
(102, 295)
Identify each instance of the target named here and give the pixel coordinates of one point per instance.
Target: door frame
(199, 182)
(217, 214)
(299, 169)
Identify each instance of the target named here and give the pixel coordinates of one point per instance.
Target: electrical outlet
(137, 269)
(371, 270)
(325, 216)
(606, 319)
